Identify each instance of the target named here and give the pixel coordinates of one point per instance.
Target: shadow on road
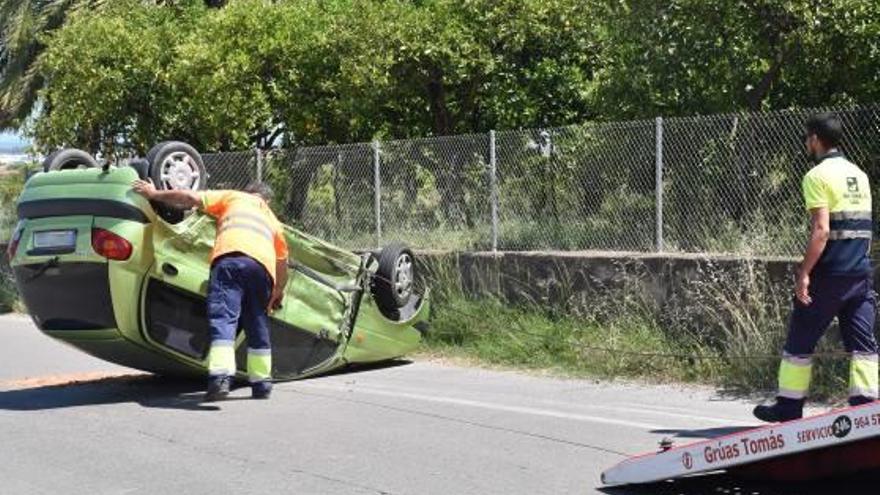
(146, 390)
(705, 432)
(727, 484)
(355, 368)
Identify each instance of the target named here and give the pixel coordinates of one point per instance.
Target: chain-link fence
(327, 191)
(573, 188)
(232, 170)
(722, 184)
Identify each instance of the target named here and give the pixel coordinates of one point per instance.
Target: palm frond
(22, 25)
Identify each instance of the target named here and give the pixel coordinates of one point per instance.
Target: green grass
(724, 328)
(9, 300)
(493, 333)
(10, 188)
(574, 338)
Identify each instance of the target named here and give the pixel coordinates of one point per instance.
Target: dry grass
(724, 328)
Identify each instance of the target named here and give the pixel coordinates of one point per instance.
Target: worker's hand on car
(144, 188)
(275, 300)
(802, 288)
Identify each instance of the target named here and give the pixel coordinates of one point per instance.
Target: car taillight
(110, 245)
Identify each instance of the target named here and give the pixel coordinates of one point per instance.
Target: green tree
(343, 70)
(23, 24)
(451, 66)
(694, 57)
(110, 78)
(214, 78)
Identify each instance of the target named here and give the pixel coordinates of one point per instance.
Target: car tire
(174, 165)
(393, 283)
(141, 166)
(68, 159)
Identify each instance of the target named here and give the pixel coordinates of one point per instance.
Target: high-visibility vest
(842, 187)
(245, 224)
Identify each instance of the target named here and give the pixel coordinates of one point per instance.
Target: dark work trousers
(850, 299)
(238, 294)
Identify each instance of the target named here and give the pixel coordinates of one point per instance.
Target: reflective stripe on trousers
(238, 293)
(221, 358)
(863, 375)
(259, 365)
(794, 376)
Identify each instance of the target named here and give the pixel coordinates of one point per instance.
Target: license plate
(55, 239)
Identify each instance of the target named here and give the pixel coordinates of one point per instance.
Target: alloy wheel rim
(179, 171)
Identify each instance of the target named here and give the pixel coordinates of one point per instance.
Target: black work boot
(858, 400)
(261, 390)
(218, 388)
(784, 409)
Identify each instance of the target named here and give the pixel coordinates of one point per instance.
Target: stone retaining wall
(552, 277)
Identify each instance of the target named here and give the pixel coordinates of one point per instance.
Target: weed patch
(724, 326)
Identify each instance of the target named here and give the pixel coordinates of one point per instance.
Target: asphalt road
(75, 425)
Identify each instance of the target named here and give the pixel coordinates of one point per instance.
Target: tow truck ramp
(835, 443)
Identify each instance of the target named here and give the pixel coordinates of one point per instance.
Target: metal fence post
(377, 194)
(493, 190)
(658, 173)
(259, 154)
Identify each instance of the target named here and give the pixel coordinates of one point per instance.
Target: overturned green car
(102, 269)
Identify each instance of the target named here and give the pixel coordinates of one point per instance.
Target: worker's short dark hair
(261, 189)
(826, 126)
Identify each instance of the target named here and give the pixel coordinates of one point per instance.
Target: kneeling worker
(248, 275)
(834, 278)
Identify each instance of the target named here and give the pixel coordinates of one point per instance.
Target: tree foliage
(20, 23)
(23, 24)
(692, 56)
(345, 70)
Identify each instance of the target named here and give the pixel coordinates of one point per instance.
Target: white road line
(487, 405)
(669, 412)
(625, 408)
(646, 411)
(681, 410)
(742, 422)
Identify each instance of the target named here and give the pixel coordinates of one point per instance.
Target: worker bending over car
(248, 276)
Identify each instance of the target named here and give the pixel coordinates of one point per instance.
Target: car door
(310, 329)
(173, 298)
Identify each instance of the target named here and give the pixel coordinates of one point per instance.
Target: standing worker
(834, 278)
(248, 275)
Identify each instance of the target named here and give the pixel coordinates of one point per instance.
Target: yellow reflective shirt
(842, 187)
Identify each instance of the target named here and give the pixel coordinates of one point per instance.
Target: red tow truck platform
(838, 442)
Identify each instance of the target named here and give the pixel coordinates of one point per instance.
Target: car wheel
(68, 159)
(141, 166)
(176, 166)
(393, 284)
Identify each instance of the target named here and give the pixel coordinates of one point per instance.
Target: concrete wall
(555, 277)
